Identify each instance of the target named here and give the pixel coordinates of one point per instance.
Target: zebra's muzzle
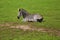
(18, 17)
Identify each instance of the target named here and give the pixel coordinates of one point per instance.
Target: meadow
(50, 9)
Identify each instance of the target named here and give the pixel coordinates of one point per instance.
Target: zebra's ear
(19, 9)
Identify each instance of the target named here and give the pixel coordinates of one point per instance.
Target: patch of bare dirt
(28, 27)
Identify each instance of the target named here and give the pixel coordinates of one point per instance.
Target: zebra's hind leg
(39, 20)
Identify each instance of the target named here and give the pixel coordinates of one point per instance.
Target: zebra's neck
(24, 14)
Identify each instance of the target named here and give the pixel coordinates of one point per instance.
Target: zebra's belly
(32, 18)
(29, 19)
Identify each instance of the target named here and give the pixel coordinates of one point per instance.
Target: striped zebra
(29, 17)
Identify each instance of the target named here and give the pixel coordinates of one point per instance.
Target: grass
(50, 9)
(17, 34)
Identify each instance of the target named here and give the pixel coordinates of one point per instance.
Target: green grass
(50, 9)
(17, 34)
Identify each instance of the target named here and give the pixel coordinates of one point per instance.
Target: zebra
(29, 17)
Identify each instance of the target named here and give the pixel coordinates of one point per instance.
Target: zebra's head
(19, 13)
(22, 12)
